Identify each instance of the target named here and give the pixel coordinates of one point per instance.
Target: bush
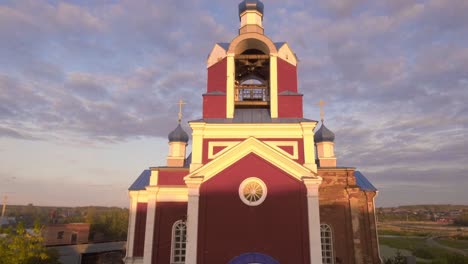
(22, 247)
(398, 259)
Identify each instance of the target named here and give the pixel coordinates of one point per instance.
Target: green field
(425, 253)
(454, 243)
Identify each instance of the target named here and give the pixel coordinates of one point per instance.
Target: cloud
(11, 133)
(394, 73)
(85, 86)
(341, 8)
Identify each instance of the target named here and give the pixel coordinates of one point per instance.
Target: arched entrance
(253, 258)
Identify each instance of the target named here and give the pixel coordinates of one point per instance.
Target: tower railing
(252, 94)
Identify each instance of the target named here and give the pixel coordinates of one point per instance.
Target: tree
(22, 247)
(110, 224)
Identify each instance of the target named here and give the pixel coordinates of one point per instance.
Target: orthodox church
(259, 186)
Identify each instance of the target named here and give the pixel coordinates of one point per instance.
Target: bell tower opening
(252, 75)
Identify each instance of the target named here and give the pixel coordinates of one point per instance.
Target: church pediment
(269, 153)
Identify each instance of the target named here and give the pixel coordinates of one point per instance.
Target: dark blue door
(253, 258)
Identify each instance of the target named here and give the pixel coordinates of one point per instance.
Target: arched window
(326, 236)
(179, 240)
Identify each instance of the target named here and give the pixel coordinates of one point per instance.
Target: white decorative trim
(309, 149)
(197, 144)
(313, 213)
(230, 86)
(131, 225)
(213, 144)
(277, 145)
(216, 55)
(140, 196)
(253, 191)
(193, 185)
(245, 130)
(172, 194)
(273, 86)
(326, 232)
(286, 54)
(154, 177)
(150, 219)
(252, 145)
(174, 242)
(376, 234)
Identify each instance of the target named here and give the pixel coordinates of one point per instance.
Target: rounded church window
(252, 191)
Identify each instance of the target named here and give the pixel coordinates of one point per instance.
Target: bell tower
(252, 75)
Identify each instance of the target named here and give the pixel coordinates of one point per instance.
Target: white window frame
(259, 184)
(177, 245)
(327, 233)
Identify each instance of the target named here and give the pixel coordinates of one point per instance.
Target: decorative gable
(252, 145)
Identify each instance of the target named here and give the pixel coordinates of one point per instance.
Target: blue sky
(88, 90)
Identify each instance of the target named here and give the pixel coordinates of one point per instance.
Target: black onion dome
(178, 135)
(250, 5)
(324, 135)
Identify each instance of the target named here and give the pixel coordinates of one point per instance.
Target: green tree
(107, 224)
(462, 220)
(22, 247)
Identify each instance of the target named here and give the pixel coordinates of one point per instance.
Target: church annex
(260, 186)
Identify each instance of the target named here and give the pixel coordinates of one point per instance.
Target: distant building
(66, 234)
(259, 186)
(98, 253)
(7, 221)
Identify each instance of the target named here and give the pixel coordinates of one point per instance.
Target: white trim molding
(252, 145)
(150, 220)
(193, 185)
(252, 191)
(131, 225)
(328, 250)
(178, 242)
(313, 211)
(213, 144)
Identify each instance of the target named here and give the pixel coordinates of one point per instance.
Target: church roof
(141, 182)
(363, 183)
(324, 134)
(278, 45)
(178, 135)
(224, 45)
(250, 5)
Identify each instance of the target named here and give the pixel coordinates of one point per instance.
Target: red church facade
(260, 186)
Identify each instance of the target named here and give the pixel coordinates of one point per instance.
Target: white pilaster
(230, 86)
(197, 144)
(274, 86)
(193, 185)
(309, 148)
(315, 243)
(150, 219)
(131, 224)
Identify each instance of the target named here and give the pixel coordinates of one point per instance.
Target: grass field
(430, 242)
(417, 246)
(454, 243)
(425, 253)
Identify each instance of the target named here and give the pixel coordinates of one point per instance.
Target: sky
(89, 90)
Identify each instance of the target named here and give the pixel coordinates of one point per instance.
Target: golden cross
(180, 103)
(321, 104)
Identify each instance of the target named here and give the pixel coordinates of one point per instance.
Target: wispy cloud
(394, 73)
